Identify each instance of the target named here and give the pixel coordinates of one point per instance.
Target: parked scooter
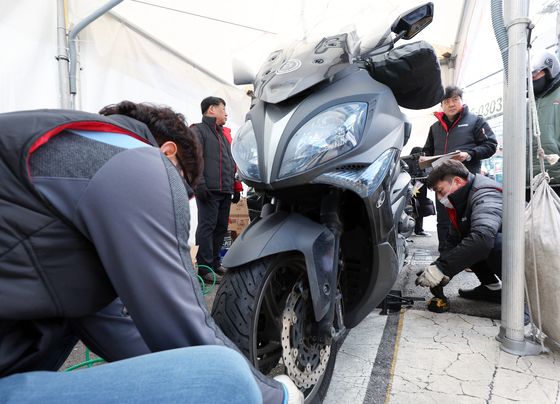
(321, 146)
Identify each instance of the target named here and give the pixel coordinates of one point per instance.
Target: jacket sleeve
(237, 186)
(428, 148)
(140, 233)
(201, 179)
(486, 222)
(486, 143)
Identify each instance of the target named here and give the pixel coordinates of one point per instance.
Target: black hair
(166, 125)
(209, 101)
(416, 150)
(446, 171)
(452, 91)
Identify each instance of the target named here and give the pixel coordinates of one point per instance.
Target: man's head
(214, 107)
(447, 178)
(179, 144)
(545, 68)
(452, 102)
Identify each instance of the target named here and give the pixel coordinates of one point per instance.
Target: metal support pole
(62, 55)
(511, 336)
(72, 40)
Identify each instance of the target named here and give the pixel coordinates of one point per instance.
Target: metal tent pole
(72, 40)
(512, 337)
(62, 55)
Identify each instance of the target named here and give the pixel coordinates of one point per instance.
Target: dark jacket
(82, 220)
(219, 167)
(475, 224)
(468, 133)
(548, 111)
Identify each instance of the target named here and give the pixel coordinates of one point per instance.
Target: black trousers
(486, 271)
(212, 228)
(443, 224)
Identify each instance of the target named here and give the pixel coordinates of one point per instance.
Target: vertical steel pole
(62, 55)
(515, 128)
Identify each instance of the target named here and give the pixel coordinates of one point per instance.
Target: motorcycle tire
(251, 308)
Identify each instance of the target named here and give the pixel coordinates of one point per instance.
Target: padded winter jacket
(475, 224)
(90, 210)
(469, 133)
(219, 167)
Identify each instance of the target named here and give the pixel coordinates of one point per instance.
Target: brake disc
(304, 356)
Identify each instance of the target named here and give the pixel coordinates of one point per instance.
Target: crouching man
(474, 205)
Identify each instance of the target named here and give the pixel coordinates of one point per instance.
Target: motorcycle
(321, 147)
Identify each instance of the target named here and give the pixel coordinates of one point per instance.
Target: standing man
(217, 188)
(474, 203)
(546, 86)
(458, 130)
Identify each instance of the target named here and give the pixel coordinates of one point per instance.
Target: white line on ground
(355, 361)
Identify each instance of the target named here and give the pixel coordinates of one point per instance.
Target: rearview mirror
(413, 21)
(242, 74)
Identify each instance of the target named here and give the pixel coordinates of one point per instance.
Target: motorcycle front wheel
(265, 308)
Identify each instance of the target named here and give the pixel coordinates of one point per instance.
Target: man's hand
(236, 197)
(423, 158)
(295, 396)
(431, 277)
(202, 193)
(462, 156)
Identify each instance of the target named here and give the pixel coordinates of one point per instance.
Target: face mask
(446, 202)
(539, 86)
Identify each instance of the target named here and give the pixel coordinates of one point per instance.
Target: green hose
(206, 290)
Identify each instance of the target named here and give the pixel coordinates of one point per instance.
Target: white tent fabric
(139, 70)
(28, 72)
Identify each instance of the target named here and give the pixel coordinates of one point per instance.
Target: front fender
(283, 232)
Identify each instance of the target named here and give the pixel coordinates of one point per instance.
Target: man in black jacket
(217, 188)
(474, 204)
(458, 130)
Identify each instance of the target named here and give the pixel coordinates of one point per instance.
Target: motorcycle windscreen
(290, 71)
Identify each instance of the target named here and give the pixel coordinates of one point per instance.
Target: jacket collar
(460, 198)
(209, 120)
(551, 87)
(439, 115)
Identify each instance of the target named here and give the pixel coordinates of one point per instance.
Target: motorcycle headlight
(244, 151)
(329, 134)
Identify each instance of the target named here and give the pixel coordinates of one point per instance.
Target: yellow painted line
(395, 353)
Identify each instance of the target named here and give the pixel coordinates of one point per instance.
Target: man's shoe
(210, 278)
(481, 292)
(220, 270)
(423, 234)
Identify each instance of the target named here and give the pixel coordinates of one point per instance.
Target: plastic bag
(542, 236)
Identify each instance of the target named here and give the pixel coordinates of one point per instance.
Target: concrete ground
(415, 356)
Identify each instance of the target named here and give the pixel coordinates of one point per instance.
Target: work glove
(201, 192)
(236, 197)
(431, 277)
(295, 396)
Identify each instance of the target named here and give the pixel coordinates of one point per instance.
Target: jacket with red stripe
(476, 221)
(469, 133)
(219, 167)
